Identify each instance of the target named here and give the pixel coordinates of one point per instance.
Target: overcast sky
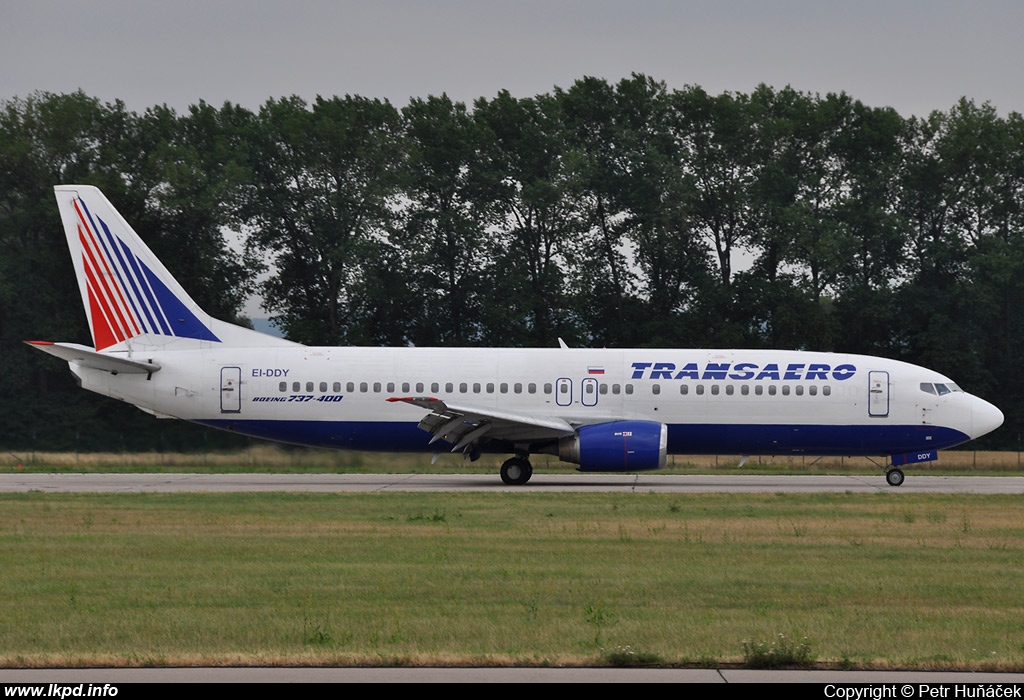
(914, 55)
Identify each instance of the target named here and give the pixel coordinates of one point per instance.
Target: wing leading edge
(466, 427)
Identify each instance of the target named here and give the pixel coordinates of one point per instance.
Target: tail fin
(129, 296)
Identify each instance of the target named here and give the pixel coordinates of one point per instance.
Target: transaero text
(743, 371)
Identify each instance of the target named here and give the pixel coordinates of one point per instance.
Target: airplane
(604, 410)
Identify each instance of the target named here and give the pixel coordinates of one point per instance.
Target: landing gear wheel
(894, 477)
(516, 471)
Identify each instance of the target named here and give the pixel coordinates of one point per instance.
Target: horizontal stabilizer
(87, 357)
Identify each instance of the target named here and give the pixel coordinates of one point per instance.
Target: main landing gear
(516, 471)
(894, 477)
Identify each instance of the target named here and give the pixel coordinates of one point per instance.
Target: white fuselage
(713, 401)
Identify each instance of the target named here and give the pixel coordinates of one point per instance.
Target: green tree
(444, 223)
(537, 221)
(323, 181)
(49, 139)
(603, 279)
(670, 258)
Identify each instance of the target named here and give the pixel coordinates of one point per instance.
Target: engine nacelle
(619, 446)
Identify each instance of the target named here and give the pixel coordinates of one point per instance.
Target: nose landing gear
(894, 477)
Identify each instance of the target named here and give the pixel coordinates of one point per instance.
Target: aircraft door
(588, 391)
(563, 392)
(230, 389)
(878, 394)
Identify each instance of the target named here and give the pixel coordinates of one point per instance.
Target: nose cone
(985, 418)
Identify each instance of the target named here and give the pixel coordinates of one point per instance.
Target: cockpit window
(940, 389)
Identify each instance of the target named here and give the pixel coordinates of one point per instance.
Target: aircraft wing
(465, 426)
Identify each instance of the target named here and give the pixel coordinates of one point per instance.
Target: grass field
(888, 580)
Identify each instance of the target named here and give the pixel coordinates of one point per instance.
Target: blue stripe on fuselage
(682, 439)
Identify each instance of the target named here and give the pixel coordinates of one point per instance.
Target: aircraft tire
(894, 477)
(516, 471)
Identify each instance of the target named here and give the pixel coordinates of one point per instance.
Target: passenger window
(419, 387)
(337, 387)
(604, 389)
(449, 388)
(405, 387)
(745, 389)
(490, 387)
(729, 389)
(517, 388)
(476, 387)
(391, 387)
(323, 387)
(503, 388)
(296, 387)
(629, 388)
(813, 390)
(799, 390)
(283, 386)
(531, 388)
(547, 388)
(700, 390)
(589, 388)
(376, 387)
(785, 390)
(435, 388)
(684, 389)
(759, 390)
(826, 391)
(616, 389)
(772, 390)
(714, 389)
(350, 387)
(364, 387)
(463, 388)
(655, 389)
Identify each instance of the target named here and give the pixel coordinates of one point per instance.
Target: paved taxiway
(365, 483)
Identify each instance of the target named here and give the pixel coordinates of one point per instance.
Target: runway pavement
(641, 483)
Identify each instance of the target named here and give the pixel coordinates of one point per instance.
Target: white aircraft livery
(603, 410)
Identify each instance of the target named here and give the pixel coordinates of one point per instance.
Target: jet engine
(618, 446)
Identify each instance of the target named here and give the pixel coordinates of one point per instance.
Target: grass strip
(889, 580)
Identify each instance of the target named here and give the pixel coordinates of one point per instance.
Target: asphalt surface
(645, 483)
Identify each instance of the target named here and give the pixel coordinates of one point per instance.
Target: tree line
(608, 214)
